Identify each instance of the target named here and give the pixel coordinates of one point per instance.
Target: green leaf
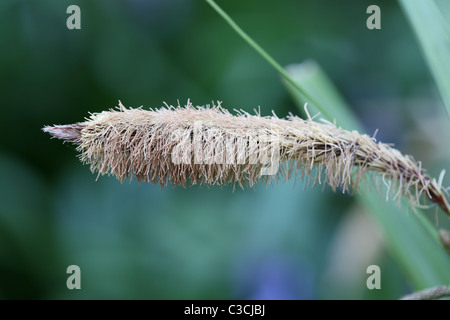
(263, 53)
(410, 237)
(309, 76)
(429, 20)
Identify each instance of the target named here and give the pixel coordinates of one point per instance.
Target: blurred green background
(142, 242)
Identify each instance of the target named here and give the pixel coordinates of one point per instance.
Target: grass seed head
(208, 145)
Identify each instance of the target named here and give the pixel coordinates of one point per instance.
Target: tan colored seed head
(208, 145)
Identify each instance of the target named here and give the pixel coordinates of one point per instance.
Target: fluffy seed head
(209, 145)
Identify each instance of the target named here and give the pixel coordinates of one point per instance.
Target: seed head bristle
(208, 145)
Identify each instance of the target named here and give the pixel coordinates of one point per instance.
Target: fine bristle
(208, 145)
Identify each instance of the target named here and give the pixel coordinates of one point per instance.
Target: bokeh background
(145, 242)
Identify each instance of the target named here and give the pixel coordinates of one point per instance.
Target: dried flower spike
(196, 145)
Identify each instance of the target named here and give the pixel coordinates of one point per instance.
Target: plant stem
(429, 294)
(266, 56)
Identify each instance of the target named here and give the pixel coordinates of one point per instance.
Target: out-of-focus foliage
(412, 239)
(430, 23)
(141, 241)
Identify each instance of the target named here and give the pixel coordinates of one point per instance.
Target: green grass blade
(410, 237)
(267, 57)
(407, 236)
(309, 76)
(430, 22)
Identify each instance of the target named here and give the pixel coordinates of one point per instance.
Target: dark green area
(134, 241)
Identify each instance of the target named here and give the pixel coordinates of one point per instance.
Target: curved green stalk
(268, 58)
(412, 239)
